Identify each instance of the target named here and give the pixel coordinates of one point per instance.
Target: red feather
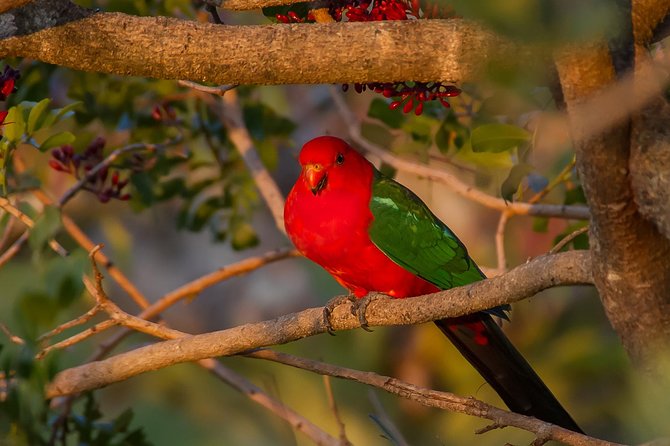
(330, 227)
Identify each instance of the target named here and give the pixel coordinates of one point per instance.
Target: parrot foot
(360, 306)
(335, 302)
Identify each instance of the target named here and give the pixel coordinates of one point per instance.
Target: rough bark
(6, 5)
(166, 48)
(650, 164)
(570, 268)
(629, 262)
(26, 17)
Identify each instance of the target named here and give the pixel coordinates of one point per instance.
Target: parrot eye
(339, 159)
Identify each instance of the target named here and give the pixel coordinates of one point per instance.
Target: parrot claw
(330, 306)
(360, 306)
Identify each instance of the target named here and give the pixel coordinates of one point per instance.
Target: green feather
(413, 237)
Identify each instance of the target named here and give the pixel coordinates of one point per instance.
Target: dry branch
(239, 135)
(439, 399)
(238, 382)
(569, 268)
(166, 48)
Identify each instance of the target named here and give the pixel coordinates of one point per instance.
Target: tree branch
(166, 48)
(438, 399)
(526, 280)
(630, 265)
(241, 139)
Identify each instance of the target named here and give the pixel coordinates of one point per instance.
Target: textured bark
(6, 5)
(630, 266)
(650, 164)
(570, 268)
(165, 48)
(33, 16)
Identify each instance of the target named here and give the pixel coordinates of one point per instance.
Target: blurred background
(193, 209)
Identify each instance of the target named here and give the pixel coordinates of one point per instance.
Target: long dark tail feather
(481, 341)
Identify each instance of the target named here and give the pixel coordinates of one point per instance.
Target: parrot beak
(316, 177)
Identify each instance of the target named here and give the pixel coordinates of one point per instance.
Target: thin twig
(444, 177)
(568, 238)
(69, 324)
(77, 338)
(238, 382)
(109, 159)
(563, 176)
(12, 337)
(239, 135)
(500, 242)
(344, 441)
(14, 248)
(13, 210)
(434, 398)
(7, 232)
(186, 291)
(385, 420)
(219, 91)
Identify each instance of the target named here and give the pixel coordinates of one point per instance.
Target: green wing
(409, 234)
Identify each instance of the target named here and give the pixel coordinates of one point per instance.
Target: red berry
(408, 106)
(419, 109)
(55, 165)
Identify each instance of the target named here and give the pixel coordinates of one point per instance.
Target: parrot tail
(481, 341)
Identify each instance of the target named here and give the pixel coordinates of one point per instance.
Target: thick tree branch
(165, 48)
(629, 262)
(526, 280)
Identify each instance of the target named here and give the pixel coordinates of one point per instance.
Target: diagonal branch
(239, 135)
(438, 399)
(571, 268)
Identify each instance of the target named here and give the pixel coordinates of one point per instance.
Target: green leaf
(497, 138)
(57, 140)
(513, 180)
(379, 109)
(488, 160)
(46, 226)
(15, 124)
(442, 139)
(540, 224)
(574, 196)
(205, 210)
(243, 236)
(377, 134)
(264, 122)
(36, 113)
(56, 115)
(122, 422)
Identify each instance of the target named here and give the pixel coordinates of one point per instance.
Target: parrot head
(329, 162)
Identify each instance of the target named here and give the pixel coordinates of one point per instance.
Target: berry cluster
(102, 184)
(411, 95)
(8, 79)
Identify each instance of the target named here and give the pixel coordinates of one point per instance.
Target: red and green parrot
(372, 234)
